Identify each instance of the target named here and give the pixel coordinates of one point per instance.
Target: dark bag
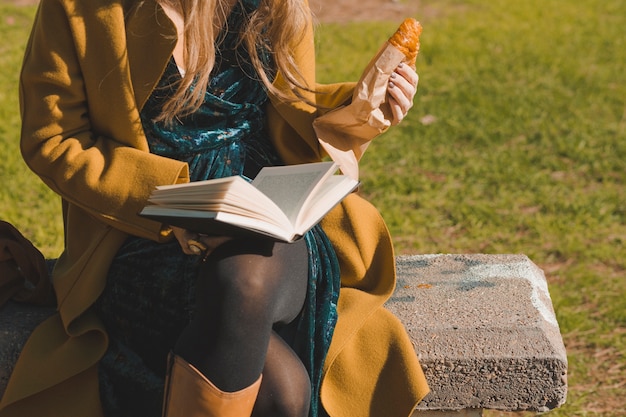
(24, 274)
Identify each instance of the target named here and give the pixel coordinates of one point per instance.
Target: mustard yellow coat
(89, 67)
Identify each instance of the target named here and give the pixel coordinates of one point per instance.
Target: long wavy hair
(275, 26)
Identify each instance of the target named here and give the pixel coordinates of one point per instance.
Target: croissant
(407, 39)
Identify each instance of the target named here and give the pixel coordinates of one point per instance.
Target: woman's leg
(244, 289)
(284, 377)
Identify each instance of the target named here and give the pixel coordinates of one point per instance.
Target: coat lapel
(150, 37)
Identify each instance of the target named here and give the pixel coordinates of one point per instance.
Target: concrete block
(485, 331)
(474, 412)
(482, 325)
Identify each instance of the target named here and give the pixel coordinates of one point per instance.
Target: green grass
(24, 200)
(526, 154)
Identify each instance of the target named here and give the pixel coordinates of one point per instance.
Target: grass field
(516, 144)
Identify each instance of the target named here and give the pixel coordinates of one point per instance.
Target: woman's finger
(408, 73)
(196, 247)
(400, 101)
(210, 243)
(396, 111)
(193, 243)
(402, 89)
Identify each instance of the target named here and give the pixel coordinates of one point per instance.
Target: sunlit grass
(24, 200)
(516, 144)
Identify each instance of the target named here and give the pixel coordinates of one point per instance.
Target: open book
(281, 202)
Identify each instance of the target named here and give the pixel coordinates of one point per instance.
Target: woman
(119, 96)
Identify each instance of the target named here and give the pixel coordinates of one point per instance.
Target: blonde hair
(273, 27)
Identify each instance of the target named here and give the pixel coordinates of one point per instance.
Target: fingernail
(393, 75)
(391, 84)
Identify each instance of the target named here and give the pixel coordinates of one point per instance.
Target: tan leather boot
(188, 393)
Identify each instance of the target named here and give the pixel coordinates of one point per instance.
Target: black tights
(244, 289)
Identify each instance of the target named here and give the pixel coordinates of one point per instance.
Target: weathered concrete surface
(485, 331)
(472, 412)
(482, 325)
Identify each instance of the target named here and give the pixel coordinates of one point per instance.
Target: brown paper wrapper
(346, 132)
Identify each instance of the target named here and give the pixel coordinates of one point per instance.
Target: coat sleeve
(85, 145)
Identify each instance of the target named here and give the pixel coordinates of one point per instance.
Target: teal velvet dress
(149, 296)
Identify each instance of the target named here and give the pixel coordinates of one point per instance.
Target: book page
(290, 186)
(231, 194)
(325, 197)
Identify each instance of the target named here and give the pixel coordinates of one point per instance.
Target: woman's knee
(259, 275)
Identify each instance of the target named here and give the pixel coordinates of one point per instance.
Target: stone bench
(485, 331)
(483, 327)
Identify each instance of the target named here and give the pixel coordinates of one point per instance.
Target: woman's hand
(401, 90)
(193, 243)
